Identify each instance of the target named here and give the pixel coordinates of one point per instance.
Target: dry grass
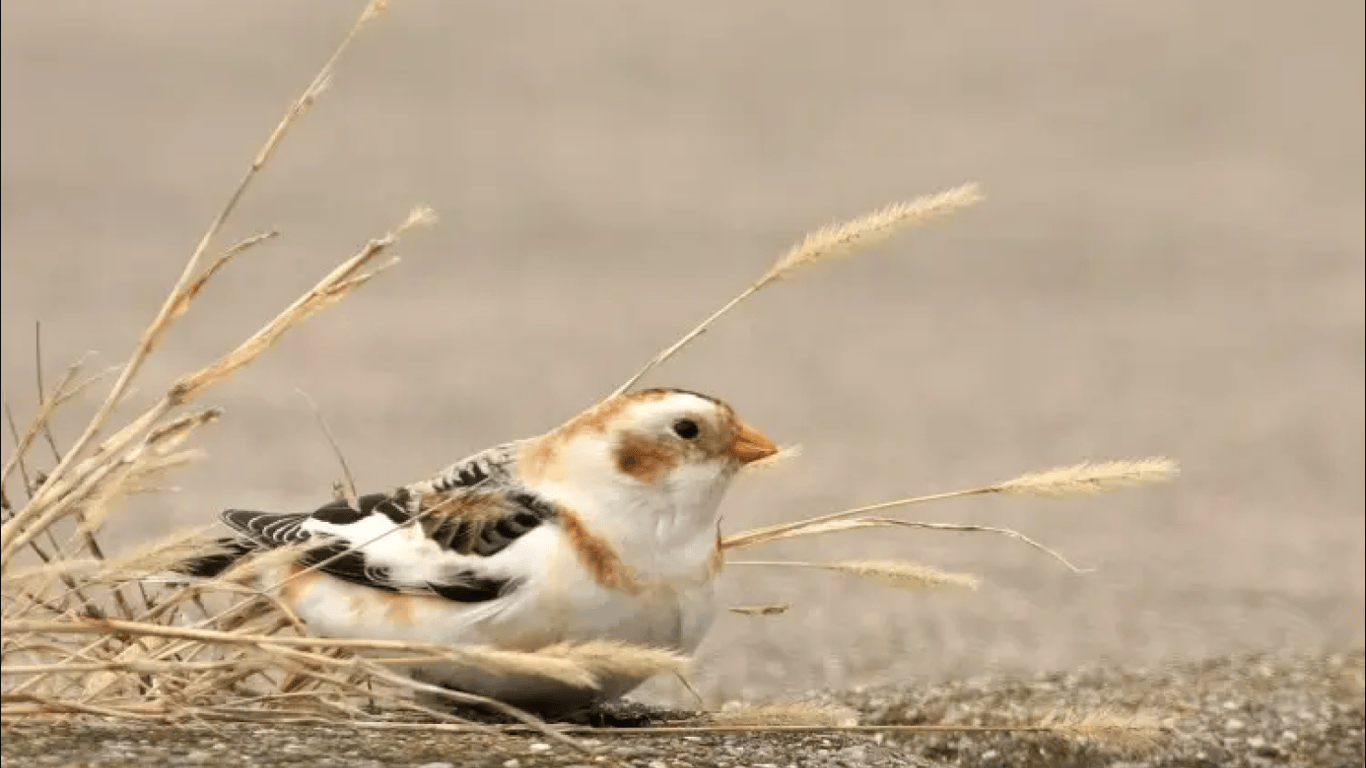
(86, 635)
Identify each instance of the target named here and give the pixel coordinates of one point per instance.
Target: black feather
(337, 559)
(470, 589)
(267, 528)
(212, 566)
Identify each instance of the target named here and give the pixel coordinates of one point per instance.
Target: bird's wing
(438, 537)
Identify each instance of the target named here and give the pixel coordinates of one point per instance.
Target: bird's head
(664, 452)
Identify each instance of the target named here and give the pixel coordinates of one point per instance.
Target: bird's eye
(686, 428)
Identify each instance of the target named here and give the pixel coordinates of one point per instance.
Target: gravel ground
(1255, 711)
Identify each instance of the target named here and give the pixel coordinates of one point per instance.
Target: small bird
(605, 528)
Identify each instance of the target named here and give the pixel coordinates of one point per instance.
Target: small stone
(1289, 736)
(513, 763)
(1256, 742)
(658, 764)
(1233, 724)
(539, 746)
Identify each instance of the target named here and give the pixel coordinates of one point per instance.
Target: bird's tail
(226, 553)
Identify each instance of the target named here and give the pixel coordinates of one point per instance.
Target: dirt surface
(1254, 712)
(1170, 262)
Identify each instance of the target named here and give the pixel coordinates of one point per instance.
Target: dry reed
(74, 643)
(825, 244)
(806, 713)
(893, 573)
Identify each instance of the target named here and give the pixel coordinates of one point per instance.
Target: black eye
(685, 428)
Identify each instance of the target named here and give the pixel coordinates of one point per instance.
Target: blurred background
(1170, 261)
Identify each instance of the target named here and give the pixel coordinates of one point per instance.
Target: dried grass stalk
(862, 523)
(153, 557)
(187, 286)
(896, 573)
(825, 244)
(807, 713)
(772, 609)
(1138, 737)
(222, 650)
(1062, 482)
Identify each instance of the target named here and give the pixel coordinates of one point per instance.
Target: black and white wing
(438, 537)
(496, 467)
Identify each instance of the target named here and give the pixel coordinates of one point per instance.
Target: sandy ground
(1259, 711)
(1170, 262)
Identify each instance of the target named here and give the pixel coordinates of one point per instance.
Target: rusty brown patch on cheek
(646, 460)
(537, 459)
(597, 555)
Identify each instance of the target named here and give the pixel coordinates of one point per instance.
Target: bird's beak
(751, 445)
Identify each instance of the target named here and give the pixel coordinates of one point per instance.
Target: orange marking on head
(597, 555)
(537, 457)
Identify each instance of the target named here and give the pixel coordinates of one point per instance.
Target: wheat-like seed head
(561, 668)
(1087, 478)
(158, 555)
(1134, 733)
(610, 657)
(822, 245)
(837, 240)
(808, 713)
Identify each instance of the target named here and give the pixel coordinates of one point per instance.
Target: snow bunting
(604, 528)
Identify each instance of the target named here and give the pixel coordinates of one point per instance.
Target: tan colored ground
(1170, 262)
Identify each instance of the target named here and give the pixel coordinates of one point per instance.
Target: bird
(604, 528)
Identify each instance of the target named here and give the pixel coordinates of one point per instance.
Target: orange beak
(751, 445)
